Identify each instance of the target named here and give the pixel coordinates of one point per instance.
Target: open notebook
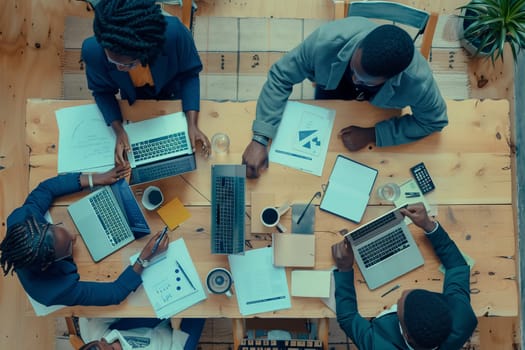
(348, 189)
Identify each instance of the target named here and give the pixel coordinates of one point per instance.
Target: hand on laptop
(343, 256)
(112, 176)
(255, 157)
(418, 214)
(122, 146)
(354, 137)
(197, 136)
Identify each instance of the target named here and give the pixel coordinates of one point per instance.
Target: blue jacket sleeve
(41, 198)
(99, 80)
(351, 322)
(456, 289)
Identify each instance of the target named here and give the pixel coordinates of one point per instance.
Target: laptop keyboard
(384, 247)
(114, 225)
(372, 226)
(162, 169)
(228, 216)
(160, 146)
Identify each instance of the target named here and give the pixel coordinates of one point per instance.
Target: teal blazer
(383, 333)
(323, 58)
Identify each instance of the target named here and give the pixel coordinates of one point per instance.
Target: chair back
(391, 11)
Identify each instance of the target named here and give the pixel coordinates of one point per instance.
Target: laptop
(160, 147)
(108, 219)
(384, 249)
(228, 183)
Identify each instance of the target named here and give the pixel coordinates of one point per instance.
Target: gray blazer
(323, 57)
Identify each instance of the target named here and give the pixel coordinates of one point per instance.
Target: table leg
(238, 332)
(322, 331)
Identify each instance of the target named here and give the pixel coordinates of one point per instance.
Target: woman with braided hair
(143, 55)
(41, 253)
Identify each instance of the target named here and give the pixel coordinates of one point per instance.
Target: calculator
(420, 173)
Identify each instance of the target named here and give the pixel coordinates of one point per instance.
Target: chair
(74, 333)
(424, 23)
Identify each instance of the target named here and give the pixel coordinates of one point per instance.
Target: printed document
(303, 136)
(171, 281)
(259, 286)
(85, 142)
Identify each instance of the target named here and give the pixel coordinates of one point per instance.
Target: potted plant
(488, 24)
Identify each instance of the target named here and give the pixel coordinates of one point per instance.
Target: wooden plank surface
(464, 170)
(472, 198)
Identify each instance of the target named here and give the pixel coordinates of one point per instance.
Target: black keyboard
(372, 226)
(160, 146)
(114, 225)
(383, 248)
(292, 344)
(227, 209)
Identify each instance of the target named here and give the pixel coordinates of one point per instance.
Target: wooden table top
(469, 162)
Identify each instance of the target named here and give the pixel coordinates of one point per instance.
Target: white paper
(172, 283)
(41, 309)
(311, 283)
(330, 301)
(303, 137)
(410, 194)
(259, 286)
(85, 142)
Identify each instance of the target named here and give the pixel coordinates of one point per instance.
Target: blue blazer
(323, 58)
(175, 72)
(60, 283)
(383, 332)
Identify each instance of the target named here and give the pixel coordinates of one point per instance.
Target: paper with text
(259, 286)
(85, 142)
(303, 137)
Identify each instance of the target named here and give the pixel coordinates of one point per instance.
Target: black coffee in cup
(155, 197)
(270, 216)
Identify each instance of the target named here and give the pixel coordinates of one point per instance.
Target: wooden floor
(31, 57)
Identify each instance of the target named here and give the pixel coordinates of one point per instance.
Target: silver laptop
(160, 147)
(108, 219)
(384, 249)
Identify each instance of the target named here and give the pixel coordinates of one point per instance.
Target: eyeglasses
(128, 65)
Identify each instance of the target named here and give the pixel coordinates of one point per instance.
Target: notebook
(384, 249)
(311, 283)
(348, 189)
(160, 147)
(293, 249)
(108, 219)
(228, 182)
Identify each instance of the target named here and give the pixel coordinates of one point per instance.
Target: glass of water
(389, 192)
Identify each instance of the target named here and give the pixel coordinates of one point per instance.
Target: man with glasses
(141, 54)
(421, 319)
(353, 59)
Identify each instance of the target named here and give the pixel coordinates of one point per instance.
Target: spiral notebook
(348, 189)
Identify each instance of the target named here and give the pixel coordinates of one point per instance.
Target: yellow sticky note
(173, 213)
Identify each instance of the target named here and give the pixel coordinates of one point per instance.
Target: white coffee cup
(152, 198)
(219, 281)
(270, 216)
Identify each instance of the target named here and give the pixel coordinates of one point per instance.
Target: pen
(411, 194)
(316, 195)
(390, 290)
(157, 242)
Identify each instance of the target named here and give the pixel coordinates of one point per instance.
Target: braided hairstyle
(27, 244)
(132, 28)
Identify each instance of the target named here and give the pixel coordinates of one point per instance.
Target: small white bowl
(148, 200)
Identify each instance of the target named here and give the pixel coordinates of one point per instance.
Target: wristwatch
(261, 139)
(142, 262)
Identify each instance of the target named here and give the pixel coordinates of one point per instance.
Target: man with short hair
(421, 319)
(353, 59)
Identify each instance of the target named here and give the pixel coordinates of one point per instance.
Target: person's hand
(122, 147)
(198, 137)
(113, 175)
(418, 214)
(343, 256)
(255, 157)
(354, 137)
(149, 252)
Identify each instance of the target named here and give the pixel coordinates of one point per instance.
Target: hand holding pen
(156, 245)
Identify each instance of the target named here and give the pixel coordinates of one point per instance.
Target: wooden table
(469, 162)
